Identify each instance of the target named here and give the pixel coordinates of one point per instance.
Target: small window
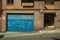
(28, 3)
(49, 1)
(10, 1)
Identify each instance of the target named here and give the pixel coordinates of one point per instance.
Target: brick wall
(17, 5)
(0, 14)
(38, 17)
(57, 20)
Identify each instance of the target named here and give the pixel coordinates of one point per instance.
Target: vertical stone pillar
(42, 20)
(0, 24)
(3, 29)
(57, 20)
(38, 20)
(0, 14)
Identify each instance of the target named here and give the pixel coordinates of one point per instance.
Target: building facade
(30, 15)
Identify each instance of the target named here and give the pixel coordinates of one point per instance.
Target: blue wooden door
(20, 22)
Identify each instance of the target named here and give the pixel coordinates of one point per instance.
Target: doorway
(49, 19)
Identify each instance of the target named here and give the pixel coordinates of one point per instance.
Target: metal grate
(49, 1)
(10, 1)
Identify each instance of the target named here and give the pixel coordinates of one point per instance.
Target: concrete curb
(49, 32)
(40, 33)
(18, 34)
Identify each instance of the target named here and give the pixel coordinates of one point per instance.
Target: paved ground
(35, 37)
(41, 35)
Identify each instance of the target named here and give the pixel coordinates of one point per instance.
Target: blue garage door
(19, 22)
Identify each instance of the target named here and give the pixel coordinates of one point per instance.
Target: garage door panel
(20, 22)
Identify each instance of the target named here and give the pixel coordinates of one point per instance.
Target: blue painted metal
(20, 23)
